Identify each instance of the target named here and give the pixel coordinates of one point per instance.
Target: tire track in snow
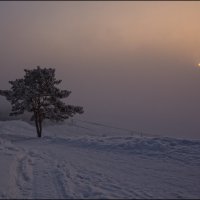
(47, 179)
(20, 173)
(83, 182)
(24, 176)
(67, 179)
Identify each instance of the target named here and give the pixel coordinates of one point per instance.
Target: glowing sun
(198, 64)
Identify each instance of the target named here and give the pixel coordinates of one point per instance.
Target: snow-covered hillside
(83, 160)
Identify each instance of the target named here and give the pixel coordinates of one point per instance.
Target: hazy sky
(129, 64)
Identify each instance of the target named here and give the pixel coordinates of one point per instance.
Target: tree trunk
(38, 126)
(40, 134)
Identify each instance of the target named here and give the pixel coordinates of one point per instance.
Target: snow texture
(82, 160)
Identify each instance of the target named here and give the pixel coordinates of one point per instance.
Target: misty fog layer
(129, 64)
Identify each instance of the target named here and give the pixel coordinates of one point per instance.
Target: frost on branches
(37, 93)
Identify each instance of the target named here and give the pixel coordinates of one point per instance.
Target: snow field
(76, 162)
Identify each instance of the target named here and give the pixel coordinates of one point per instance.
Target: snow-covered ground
(83, 160)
